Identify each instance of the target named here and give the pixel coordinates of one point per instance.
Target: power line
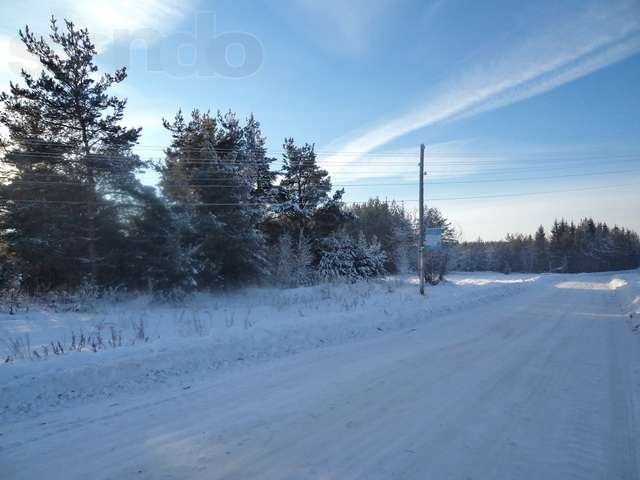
(549, 177)
(526, 194)
(334, 153)
(351, 184)
(359, 171)
(244, 204)
(357, 167)
(265, 150)
(199, 154)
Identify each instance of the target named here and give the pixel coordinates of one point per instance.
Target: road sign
(433, 237)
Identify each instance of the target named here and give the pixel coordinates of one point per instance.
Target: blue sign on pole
(433, 237)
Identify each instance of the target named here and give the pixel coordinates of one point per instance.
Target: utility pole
(421, 210)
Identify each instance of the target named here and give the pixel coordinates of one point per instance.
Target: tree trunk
(92, 210)
(91, 221)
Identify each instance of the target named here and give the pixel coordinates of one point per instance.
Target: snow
(212, 332)
(495, 278)
(612, 284)
(489, 376)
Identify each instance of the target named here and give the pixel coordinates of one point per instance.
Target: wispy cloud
(596, 37)
(103, 18)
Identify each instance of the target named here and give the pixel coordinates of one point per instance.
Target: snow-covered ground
(489, 376)
(181, 343)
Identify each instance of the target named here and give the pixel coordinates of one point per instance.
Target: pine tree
(330, 217)
(259, 171)
(304, 187)
(211, 177)
(67, 151)
(156, 260)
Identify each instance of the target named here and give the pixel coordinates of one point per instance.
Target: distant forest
(585, 247)
(74, 214)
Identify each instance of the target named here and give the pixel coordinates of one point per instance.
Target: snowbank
(487, 280)
(612, 284)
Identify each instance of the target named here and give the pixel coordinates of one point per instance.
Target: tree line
(584, 247)
(73, 210)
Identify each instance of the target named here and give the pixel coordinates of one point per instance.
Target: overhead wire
(244, 204)
(348, 184)
(489, 164)
(334, 153)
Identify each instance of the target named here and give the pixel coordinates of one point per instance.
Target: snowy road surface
(541, 385)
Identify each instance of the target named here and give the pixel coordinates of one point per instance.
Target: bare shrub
(139, 333)
(230, 320)
(200, 322)
(11, 294)
(116, 337)
(18, 347)
(248, 323)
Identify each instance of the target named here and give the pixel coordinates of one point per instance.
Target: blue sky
(509, 97)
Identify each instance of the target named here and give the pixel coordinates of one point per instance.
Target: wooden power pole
(421, 221)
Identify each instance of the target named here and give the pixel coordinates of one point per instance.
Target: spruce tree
(541, 250)
(559, 246)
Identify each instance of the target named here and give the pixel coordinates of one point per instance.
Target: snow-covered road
(544, 384)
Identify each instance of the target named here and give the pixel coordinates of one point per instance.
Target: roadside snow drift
(612, 284)
(143, 345)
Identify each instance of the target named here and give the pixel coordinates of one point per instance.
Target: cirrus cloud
(558, 54)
